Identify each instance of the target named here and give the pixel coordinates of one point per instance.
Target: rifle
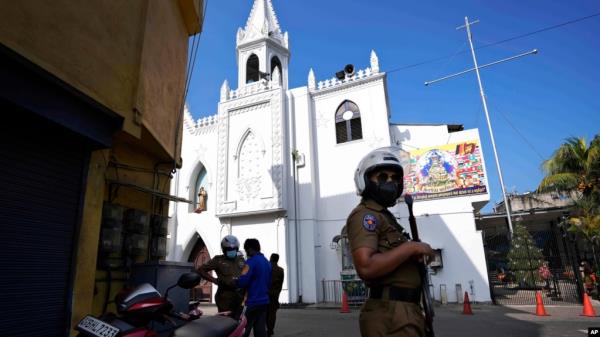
(427, 303)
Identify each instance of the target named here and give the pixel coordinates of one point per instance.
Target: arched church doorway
(199, 256)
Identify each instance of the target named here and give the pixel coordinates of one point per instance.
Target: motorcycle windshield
(137, 295)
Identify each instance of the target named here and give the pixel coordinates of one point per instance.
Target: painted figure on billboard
(450, 170)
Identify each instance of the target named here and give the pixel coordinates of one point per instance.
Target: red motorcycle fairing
(148, 303)
(140, 333)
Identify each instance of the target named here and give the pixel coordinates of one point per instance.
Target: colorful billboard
(451, 170)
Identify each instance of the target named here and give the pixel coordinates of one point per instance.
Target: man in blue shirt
(256, 279)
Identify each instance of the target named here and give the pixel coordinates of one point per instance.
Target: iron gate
(334, 289)
(543, 260)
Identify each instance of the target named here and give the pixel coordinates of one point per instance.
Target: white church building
(277, 164)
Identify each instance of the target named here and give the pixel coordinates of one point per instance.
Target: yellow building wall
(129, 56)
(91, 282)
(87, 249)
(162, 81)
(128, 153)
(95, 46)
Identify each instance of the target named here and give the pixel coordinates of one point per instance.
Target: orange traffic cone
(588, 309)
(467, 305)
(345, 309)
(539, 308)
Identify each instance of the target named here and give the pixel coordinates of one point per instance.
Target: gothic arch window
(275, 63)
(252, 66)
(250, 170)
(347, 122)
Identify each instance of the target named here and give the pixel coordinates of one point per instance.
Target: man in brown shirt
(383, 256)
(228, 268)
(274, 291)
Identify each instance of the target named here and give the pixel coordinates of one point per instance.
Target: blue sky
(547, 97)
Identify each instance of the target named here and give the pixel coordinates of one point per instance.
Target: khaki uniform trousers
(228, 300)
(384, 318)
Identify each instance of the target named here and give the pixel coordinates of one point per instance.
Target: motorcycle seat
(207, 326)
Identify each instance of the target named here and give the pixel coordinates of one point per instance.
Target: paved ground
(488, 321)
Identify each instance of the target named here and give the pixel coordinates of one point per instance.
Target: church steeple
(262, 46)
(262, 23)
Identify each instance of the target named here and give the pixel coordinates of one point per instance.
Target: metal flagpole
(467, 25)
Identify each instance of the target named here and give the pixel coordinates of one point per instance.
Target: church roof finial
(261, 23)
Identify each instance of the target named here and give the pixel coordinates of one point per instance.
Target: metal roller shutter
(42, 167)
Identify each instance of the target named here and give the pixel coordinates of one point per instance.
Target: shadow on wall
(401, 137)
(182, 251)
(463, 255)
(459, 267)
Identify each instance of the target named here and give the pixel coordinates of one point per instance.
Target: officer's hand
(422, 249)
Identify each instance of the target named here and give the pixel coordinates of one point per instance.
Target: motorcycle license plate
(97, 328)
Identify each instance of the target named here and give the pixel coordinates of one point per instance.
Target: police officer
(228, 268)
(277, 277)
(383, 256)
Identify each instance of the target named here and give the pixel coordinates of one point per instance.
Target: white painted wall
(449, 223)
(316, 196)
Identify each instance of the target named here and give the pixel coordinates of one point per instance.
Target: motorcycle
(143, 306)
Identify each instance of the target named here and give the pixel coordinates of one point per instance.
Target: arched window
(252, 65)
(275, 63)
(347, 122)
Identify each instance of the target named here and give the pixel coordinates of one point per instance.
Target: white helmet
(384, 157)
(230, 242)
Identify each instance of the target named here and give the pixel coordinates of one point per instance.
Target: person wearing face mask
(228, 268)
(382, 254)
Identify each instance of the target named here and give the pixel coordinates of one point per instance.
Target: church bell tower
(262, 48)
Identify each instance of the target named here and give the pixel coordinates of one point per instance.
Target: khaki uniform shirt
(227, 270)
(276, 282)
(373, 226)
(227, 298)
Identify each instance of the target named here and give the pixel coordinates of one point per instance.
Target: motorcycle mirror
(189, 280)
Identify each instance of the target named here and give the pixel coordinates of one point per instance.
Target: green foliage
(586, 225)
(524, 257)
(575, 166)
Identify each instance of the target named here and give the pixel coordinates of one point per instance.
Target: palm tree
(575, 166)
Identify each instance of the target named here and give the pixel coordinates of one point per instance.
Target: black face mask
(385, 193)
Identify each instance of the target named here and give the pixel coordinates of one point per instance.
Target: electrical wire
(188, 80)
(494, 105)
(540, 30)
(414, 65)
(458, 51)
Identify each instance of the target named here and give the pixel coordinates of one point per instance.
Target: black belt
(396, 294)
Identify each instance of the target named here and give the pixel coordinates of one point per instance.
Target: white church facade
(277, 164)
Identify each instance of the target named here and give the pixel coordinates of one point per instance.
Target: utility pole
(476, 68)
